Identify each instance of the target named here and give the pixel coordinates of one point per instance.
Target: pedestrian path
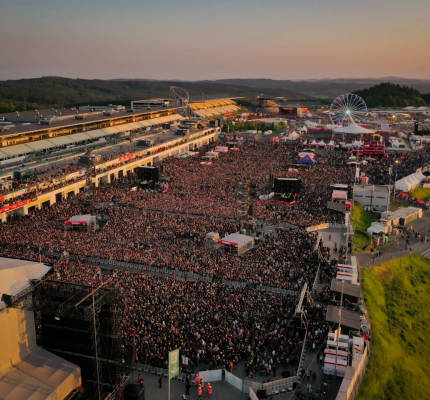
(426, 253)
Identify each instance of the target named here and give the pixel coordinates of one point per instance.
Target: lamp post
(397, 162)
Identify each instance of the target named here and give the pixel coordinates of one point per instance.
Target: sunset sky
(213, 39)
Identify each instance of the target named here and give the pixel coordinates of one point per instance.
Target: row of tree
(393, 95)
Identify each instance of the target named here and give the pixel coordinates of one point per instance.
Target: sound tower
(70, 325)
(148, 173)
(287, 186)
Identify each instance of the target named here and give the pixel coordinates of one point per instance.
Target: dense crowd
(378, 169)
(214, 190)
(284, 259)
(214, 324)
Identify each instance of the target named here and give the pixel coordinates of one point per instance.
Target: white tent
(410, 182)
(310, 124)
(293, 136)
(353, 129)
(377, 227)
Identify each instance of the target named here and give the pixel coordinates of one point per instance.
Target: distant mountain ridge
(58, 91)
(328, 87)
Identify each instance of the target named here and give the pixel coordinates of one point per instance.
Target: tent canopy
(353, 129)
(307, 160)
(81, 220)
(410, 182)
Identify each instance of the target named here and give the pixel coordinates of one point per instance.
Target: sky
(214, 39)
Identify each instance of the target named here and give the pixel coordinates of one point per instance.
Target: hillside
(391, 95)
(397, 296)
(57, 91)
(328, 87)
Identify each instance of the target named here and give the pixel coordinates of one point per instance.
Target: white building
(372, 197)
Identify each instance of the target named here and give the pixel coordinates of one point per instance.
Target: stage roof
(15, 275)
(348, 318)
(40, 375)
(348, 288)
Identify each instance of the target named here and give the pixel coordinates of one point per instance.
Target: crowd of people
(384, 170)
(284, 259)
(213, 190)
(215, 325)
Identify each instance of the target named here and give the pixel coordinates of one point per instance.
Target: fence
(189, 276)
(252, 394)
(280, 385)
(245, 385)
(302, 358)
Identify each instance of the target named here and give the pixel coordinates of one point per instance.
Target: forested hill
(56, 91)
(392, 95)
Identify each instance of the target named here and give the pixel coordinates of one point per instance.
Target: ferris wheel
(348, 109)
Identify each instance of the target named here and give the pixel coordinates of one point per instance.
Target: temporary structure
(353, 129)
(410, 182)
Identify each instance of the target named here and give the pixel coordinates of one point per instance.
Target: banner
(173, 363)
(15, 206)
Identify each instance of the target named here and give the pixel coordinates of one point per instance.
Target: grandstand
(213, 108)
(82, 137)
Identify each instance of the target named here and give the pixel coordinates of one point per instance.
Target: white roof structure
(353, 129)
(377, 227)
(81, 220)
(236, 239)
(40, 375)
(293, 136)
(25, 148)
(339, 195)
(15, 275)
(410, 182)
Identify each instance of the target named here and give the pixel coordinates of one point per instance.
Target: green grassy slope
(361, 220)
(421, 193)
(397, 295)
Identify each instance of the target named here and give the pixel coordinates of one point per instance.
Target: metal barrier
(280, 385)
(299, 373)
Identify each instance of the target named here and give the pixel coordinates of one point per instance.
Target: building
(267, 105)
(372, 197)
(27, 371)
(238, 242)
(105, 172)
(144, 104)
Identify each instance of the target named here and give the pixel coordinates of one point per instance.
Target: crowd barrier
(213, 375)
(153, 270)
(245, 385)
(252, 394)
(189, 276)
(302, 359)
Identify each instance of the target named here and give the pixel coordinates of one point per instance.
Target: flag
(173, 363)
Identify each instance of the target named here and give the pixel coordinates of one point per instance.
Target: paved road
(400, 248)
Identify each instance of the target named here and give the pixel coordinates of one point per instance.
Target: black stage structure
(82, 325)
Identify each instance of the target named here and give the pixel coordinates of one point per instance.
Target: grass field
(398, 301)
(361, 220)
(422, 193)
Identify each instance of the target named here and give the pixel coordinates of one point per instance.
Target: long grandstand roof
(39, 145)
(29, 128)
